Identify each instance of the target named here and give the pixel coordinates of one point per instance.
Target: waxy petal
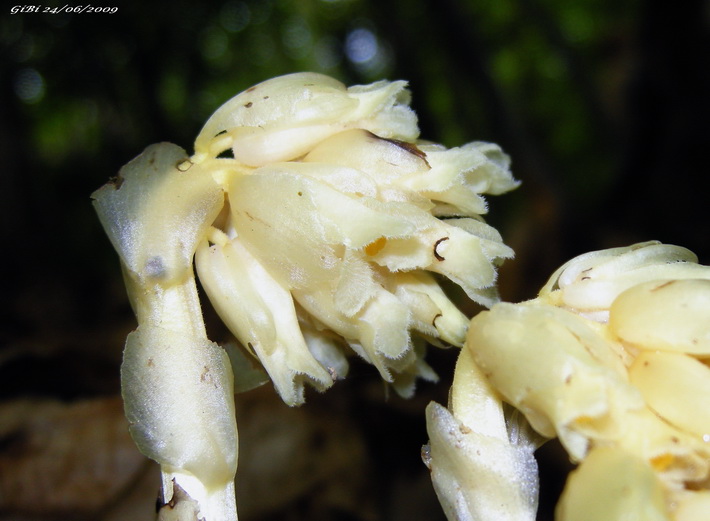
(553, 366)
(261, 314)
(589, 283)
(614, 486)
(263, 121)
(676, 387)
(668, 315)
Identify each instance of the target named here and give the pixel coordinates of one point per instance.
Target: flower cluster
(336, 220)
(316, 221)
(611, 358)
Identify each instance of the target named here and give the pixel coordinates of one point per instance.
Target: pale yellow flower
(316, 221)
(334, 227)
(610, 358)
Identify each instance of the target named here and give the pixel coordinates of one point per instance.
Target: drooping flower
(316, 221)
(338, 221)
(610, 358)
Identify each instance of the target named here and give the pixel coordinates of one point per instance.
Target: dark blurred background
(603, 105)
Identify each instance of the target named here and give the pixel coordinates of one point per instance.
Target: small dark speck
(116, 182)
(300, 194)
(665, 284)
(251, 89)
(248, 105)
(265, 97)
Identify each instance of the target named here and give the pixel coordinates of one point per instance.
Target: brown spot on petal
(436, 245)
(411, 148)
(664, 285)
(248, 105)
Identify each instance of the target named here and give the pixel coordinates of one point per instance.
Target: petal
(555, 368)
(676, 455)
(592, 281)
(670, 315)
(306, 101)
(677, 387)
(384, 326)
(379, 332)
(301, 237)
(496, 172)
(462, 258)
(382, 159)
(259, 146)
(355, 286)
(474, 401)
(293, 99)
(384, 110)
(628, 486)
(288, 236)
(458, 176)
(405, 375)
(261, 314)
(344, 179)
(432, 311)
(450, 250)
(324, 345)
